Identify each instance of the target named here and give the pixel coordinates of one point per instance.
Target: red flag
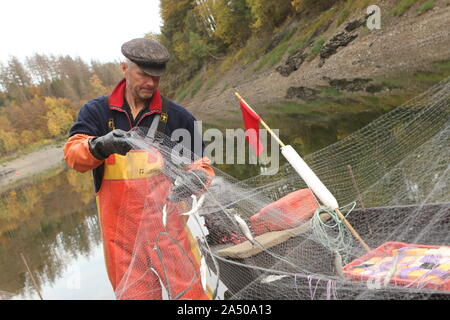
(251, 121)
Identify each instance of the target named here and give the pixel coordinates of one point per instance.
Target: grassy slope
(251, 61)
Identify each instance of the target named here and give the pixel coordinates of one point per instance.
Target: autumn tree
(108, 73)
(186, 37)
(8, 141)
(313, 5)
(58, 117)
(233, 20)
(268, 14)
(39, 99)
(14, 78)
(40, 69)
(98, 88)
(173, 13)
(205, 10)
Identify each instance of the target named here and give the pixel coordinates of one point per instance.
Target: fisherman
(131, 202)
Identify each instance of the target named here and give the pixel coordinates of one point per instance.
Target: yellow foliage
(13, 205)
(180, 49)
(82, 185)
(27, 137)
(33, 197)
(314, 5)
(269, 14)
(153, 35)
(296, 4)
(5, 123)
(97, 85)
(58, 116)
(227, 64)
(258, 13)
(8, 141)
(231, 21)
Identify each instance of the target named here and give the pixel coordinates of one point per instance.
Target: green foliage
(188, 34)
(393, 83)
(430, 77)
(196, 85)
(199, 48)
(243, 56)
(273, 57)
(312, 5)
(211, 82)
(332, 92)
(426, 6)
(361, 4)
(226, 64)
(290, 46)
(232, 19)
(181, 94)
(316, 49)
(443, 64)
(268, 14)
(350, 6)
(173, 13)
(189, 48)
(225, 87)
(295, 46)
(403, 6)
(199, 32)
(345, 13)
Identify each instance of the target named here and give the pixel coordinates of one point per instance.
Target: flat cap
(148, 54)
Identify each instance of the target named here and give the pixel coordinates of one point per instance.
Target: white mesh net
(268, 238)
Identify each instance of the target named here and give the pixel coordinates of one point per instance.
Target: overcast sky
(91, 29)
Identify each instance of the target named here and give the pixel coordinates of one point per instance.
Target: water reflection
(52, 222)
(306, 132)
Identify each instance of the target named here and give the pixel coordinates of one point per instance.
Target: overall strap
(158, 126)
(164, 116)
(162, 119)
(111, 125)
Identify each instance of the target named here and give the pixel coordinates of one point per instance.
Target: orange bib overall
(140, 252)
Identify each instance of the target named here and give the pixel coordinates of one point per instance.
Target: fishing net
(268, 237)
(5, 295)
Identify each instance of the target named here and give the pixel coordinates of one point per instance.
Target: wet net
(269, 237)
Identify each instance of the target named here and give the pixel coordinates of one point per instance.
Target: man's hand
(117, 141)
(192, 183)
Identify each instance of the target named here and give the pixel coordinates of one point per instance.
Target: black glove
(117, 141)
(192, 183)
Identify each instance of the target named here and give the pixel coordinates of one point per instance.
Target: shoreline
(30, 164)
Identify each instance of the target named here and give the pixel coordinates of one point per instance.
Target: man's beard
(144, 95)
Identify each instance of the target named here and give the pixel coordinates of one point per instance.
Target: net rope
(396, 190)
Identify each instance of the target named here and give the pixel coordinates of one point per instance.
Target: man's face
(139, 84)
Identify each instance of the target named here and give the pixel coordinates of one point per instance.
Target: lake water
(51, 226)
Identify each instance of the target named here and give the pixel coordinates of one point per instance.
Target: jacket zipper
(140, 120)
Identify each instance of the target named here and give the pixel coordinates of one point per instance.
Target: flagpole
(307, 174)
(262, 122)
